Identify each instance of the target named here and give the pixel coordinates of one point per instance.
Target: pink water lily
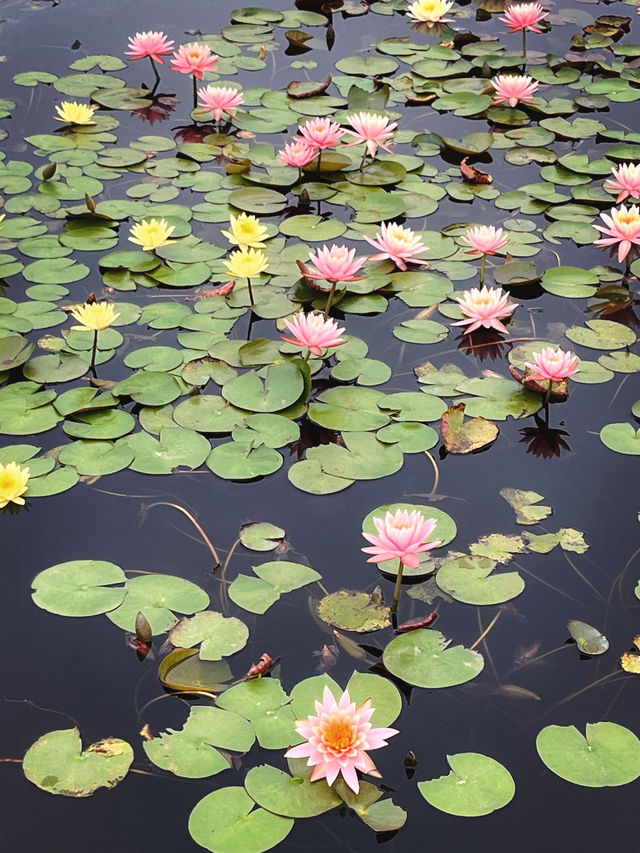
(297, 153)
(321, 133)
(485, 240)
(220, 99)
(623, 226)
(513, 88)
(194, 58)
(402, 535)
(524, 16)
(314, 332)
(152, 43)
(372, 129)
(485, 307)
(337, 263)
(552, 364)
(626, 180)
(337, 738)
(398, 243)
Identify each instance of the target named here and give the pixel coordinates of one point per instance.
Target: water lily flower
(626, 179)
(314, 332)
(152, 234)
(337, 738)
(398, 243)
(246, 262)
(372, 129)
(297, 153)
(321, 133)
(246, 230)
(13, 483)
(485, 307)
(2, 216)
(337, 263)
(194, 58)
(513, 88)
(524, 16)
(73, 113)
(429, 11)
(94, 316)
(220, 99)
(552, 364)
(485, 240)
(623, 226)
(151, 43)
(402, 534)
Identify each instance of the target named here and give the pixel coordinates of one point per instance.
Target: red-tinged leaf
(559, 390)
(257, 670)
(473, 175)
(308, 88)
(461, 437)
(414, 624)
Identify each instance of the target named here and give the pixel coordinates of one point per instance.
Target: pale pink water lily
(398, 243)
(524, 16)
(337, 738)
(297, 153)
(314, 332)
(485, 240)
(194, 58)
(321, 133)
(402, 535)
(552, 364)
(485, 307)
(622, 226)
(513, 88)
(372, 129)
(220, 99)
(337, 263)
(151, 43)
(626, 180)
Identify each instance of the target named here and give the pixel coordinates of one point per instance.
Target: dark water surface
(59, 672)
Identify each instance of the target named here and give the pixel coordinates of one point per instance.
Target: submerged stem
(486, 630)
(195, 523)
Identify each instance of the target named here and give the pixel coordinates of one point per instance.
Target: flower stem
(94, 349)
(524, 45)
(250, 290)
(396, 591)
(319, 159)
(195, 92)
(364, 159)
(327, 307)
(155, 71)
(307, 355)
(483, 265)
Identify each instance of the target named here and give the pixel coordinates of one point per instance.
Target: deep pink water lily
(524, 16)
(485, 307)
(552, 364)
(398, 243)
(337, 263)
(220, 99)
(622, 226)
(512, 88)
(297, 153)
(372, 129)
(194, 58)
(626, 180)
(337, 738)
(314, 332)
(152, 43)
(321, 133)
(402, 535)
(485, 240)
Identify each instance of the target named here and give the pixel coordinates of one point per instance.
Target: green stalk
(396, 592)
(155, 71)
(94, 349)
(250, 290)
(484, 262)
(195, 92)
(327, 307)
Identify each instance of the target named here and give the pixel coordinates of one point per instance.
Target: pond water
(64, 672)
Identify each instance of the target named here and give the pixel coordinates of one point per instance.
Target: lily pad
(465, 437)
(524, 504)
(157, 597)
(354, 611)
(423, 658)
(290, 796)
(622, 438)
(261, 536)
(588, 639)
(471, 579)
(219, 636)
(79, 588)
(476, 786)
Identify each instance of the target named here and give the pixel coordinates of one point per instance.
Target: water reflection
(542, 440)
(159, 110)
(484, 344)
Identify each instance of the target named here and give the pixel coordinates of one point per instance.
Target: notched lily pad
(219, 636)
(476, 786)
(461, 437)
(355, 611)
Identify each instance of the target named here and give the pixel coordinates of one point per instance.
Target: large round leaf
(424, 658)
(476, 786)
(270, 389)
(471, 579)
(157, 597)
(290, 796)
(219, 636)
(608, 755)
(79, 588)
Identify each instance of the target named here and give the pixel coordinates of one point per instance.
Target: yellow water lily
(13, 483)
(72, 112)
(94, 316)
(152, 234)
(2, 216)
(246, 230)
(246, 263)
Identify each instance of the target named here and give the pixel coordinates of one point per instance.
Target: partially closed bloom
(404, 535)
(429, 11)
(152, 234)
(524, 16)
(320, 133)
(336, 740)
(2, 216)
(13, 483)
(194, 58)
(552, 364)
(485, 307)
(371, 128)
(623, 226)
(513, 88)
(397, 243)
(73, 113)
(626, 179)
(150, 43)
(246, 230)
(246, 263)
(220, 99)
(95, 316)
(297, 153)
(335, 264)
(313, 331)
(485, 240)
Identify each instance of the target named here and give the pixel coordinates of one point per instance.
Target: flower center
(339, 735)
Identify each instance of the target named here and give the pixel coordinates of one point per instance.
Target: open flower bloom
(552, 364)
(429, 11)
(485, 307)
(337, 738)
(94, 316)
(623, 226)
(313, 331)
(513, 88)
(485, 240)
(371, 128)
(320, 133)
(402, 534)
(335, 264)
(13, 483)
(73, 113)
(246, 230)
(152, 43)
(152, 234)
(397, 243)
(626, 180)
(297, 153)
(194, 58)
(220, 99)
(524, 16)
(246, 263)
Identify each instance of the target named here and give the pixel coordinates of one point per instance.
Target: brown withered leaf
(308, 88)
(630, 662)
(461, 437)
(473, 175)
(414, 624)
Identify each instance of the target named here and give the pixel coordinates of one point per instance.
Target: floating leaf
(588, 639)
(523, 502)
(79, 588)
(423, 658)
(476, 786)
(219, 636)
(182, 669)
(290, 796)
(261, 536)
(157, 596)
(264, 702)
(471, 579)
(608, 755)
(461, 437)
(353, 611)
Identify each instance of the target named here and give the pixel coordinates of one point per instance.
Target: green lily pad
(79, 588)
(238, 461)
(273, 578)
(264, 702)
(498, 398)
(423, 658)
(14, 351)
(309, 476)
(622, 438)
(219, 636)
(270, 389)
(258, 200)
(572, 282)
(290, 796)
(103, 425)
(524, 504)
(95, 458)
(601, 334)
(157, 596)
(589, 640)
(208, 413)
(176, 448)
(354, 611)
(421, 331)
(149, 388)
(350, 409)
(476, 786)
(362, 458)
(261, 536)
(471, 580)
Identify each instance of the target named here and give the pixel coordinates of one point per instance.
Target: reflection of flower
(513, 88)
(246, 230)
(194, 58)
(552, 364)
(429, 11)
(95, 316)
(336, 739)
(313, 331)
(402, 535)
(159, 110)
(485, 307)
(484, 344)
(220, 99)
(152, 234)
(297, 153)
(73, 113)
(626, 179)
(485, 240)
(320, 133)
(246, 263)
(524, 16)
(335, 264)
(623, 226)
(397, 243)
(151, 43)
(371, 128)
(542, 440)
(13, 483)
